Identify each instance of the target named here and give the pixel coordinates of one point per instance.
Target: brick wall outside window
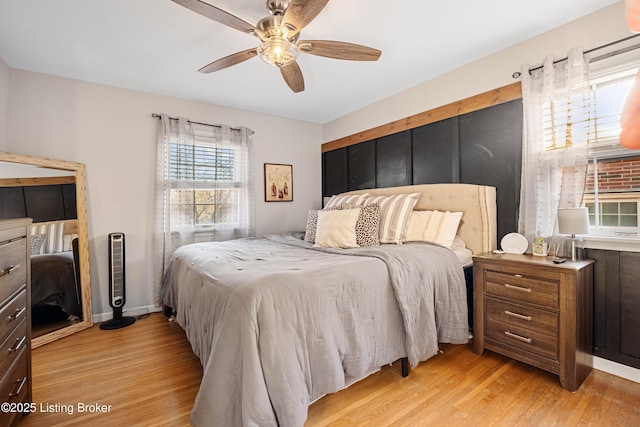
(615, 176)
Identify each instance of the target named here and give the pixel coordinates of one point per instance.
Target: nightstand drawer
(521, 288)
(523, 338)
(13, 267)
(533, 319)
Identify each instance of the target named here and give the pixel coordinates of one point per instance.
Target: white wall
(111, 130)
(4, 94)
(494, 71)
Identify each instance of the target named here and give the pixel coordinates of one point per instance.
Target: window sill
(625, 244)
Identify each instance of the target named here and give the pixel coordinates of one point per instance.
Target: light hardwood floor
(150, 377)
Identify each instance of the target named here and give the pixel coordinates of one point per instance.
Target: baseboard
(133, 311)
(617, 369)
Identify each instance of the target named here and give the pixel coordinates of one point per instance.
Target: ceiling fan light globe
(277, 51)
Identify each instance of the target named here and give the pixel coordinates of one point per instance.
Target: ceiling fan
(279, 34)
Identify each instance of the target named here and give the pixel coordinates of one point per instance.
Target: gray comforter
(277, 323)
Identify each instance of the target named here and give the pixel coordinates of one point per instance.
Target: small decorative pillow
(443, 227)
(394, 215)
(54, 242)
(312, 225)
(418, 221)
(36, 243)
(353, 199)
(68, 239)
(368, 224)
(434, 226)
(337, 228)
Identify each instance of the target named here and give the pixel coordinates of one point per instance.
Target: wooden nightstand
(532, 310)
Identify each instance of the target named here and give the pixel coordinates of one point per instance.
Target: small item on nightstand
(539, 247)
(559, 260)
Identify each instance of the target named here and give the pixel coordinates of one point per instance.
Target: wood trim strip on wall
(467, 105)
(27, 182)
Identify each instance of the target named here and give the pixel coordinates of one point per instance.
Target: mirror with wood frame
(52, 193)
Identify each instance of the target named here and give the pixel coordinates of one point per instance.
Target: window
(612, 191)
(208, 180)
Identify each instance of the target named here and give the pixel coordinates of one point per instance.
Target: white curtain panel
(176, 219)
(555, 143)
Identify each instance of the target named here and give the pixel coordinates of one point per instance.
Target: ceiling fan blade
(228, 61)
(300, 13)
(339, 50)
(218, 15)
(292, 74)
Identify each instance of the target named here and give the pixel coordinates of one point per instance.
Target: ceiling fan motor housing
(277, 7)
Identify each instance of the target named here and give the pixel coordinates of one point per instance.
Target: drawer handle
(18, 344)
(17, 392)
(9, 270)
(517, 288)
(17, 314)
(518, 337)
(518, 316)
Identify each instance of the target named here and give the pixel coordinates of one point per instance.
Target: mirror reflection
(50, 197)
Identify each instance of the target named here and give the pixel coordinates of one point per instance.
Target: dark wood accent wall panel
(491, 154)
(335, 172)
(393, 160)
(630, 302)
(39, 202)
(362, 165)
(616, 318)
(69, 198)
(12, 203)
(481, 147)
(436, 152)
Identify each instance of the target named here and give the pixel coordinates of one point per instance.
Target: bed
(278, 322)
(54, 278)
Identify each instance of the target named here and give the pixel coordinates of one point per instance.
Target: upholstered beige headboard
(478, 202)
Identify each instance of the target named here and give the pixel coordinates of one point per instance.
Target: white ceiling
(157, 46)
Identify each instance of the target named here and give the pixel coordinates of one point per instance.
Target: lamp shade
(573, 221)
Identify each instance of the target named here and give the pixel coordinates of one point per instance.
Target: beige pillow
(337, 228)
(394, 215)
(351, 199)
(442, 227)
(418, 221)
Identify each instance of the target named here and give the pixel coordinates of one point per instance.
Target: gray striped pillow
(395, 212)
(353, 199)
(54, 241)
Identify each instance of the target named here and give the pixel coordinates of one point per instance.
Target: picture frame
(278, 182)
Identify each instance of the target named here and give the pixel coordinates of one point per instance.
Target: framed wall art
(278, 182)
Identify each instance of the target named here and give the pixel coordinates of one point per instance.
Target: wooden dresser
(532, 310)
(15, 319)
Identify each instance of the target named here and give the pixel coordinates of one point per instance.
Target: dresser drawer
(14, 388)
(522, 338)
(12, 346)
(533, 319)
(14, 312)
(13, 267)
(526, 289)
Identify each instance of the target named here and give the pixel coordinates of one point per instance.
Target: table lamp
(573, 221)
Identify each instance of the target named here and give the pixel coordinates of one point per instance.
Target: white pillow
(443, 227)
(337, 228)
(418, 221)
(351, 199)
(394, 215)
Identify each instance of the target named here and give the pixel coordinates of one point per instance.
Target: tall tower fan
(116, 283)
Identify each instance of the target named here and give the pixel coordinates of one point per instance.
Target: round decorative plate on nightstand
(514, 243)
